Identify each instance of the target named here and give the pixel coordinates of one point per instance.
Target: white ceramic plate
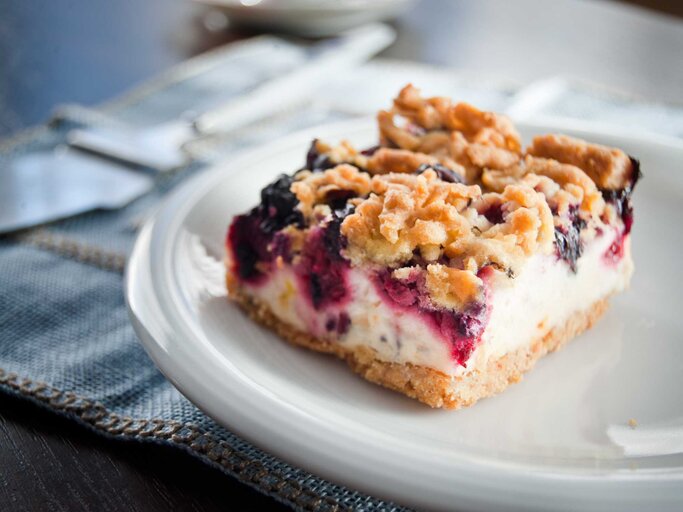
(559, 439)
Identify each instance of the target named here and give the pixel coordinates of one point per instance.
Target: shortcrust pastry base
(427, 385)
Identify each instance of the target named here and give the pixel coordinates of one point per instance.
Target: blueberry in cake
(445, 261)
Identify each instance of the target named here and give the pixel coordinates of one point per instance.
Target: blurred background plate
(308, 17)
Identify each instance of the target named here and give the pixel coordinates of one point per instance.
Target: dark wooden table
(87, 51)
(48, 463)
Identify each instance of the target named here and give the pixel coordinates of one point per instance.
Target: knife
(162, 147)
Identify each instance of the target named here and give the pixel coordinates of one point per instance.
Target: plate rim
(471, 493)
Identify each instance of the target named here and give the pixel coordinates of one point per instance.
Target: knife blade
(45, 186)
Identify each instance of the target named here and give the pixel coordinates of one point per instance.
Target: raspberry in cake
(445, 261)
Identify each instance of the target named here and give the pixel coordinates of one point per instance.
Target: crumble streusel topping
(315, 190)
(449, 191)
(407, 213)
(460, 132)
(562, 185)
(609, 168)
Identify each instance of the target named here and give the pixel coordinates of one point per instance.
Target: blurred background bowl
(308, 17)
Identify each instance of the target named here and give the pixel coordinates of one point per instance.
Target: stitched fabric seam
(219, 452)
(74, 250)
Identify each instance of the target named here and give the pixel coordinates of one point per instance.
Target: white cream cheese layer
(397, 336)
(544, 294)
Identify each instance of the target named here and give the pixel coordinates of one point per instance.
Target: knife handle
(330, 57)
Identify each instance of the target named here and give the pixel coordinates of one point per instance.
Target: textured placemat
(65, 339)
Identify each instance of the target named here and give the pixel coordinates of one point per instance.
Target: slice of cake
(445, 261)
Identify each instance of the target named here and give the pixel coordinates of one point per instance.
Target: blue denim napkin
(65, 339)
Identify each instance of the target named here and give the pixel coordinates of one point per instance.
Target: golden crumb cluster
(562, 185)
(313, 190)
(406, 213)
(452, 132)
(506, 209)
